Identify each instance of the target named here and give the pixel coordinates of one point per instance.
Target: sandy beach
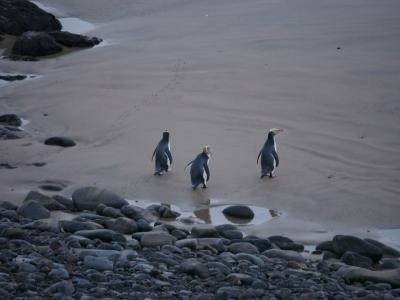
(222, 73)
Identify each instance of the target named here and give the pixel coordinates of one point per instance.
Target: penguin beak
(276, 130)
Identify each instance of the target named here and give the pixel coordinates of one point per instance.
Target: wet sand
(223, 73)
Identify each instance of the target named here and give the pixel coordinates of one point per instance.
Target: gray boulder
(344, 243)
(243, 247)
(32, 43)
(133, 211)
(356, 274)
(285, 243)
(45, 200)
(74, 226)
(67, 202)
(155, 239)
(386, 250)
(204, 231)
(124, 225)
(33, 210)
(98, 263)
(288, 255)
(88, 198)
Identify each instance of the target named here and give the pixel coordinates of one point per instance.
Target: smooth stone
(26, 267)
(105, 235)
(98, 263)
(155, 239)
(133, 244)
(21, 16)
(357, 260)
(261, 244)
(249, 257)
(74, 226)
(44, 200)
(239, 279)
(59, 274)
(179, 234)
(220, 267)
(13, 233)
(33, 210)
(133, 211)
(167, 213)
(11, 133)
(67, 202)
(227, 292)
(204, 231)
(288, 255)
(356, 274)
(344, 243)
(124, 225)
(193, 267)
(88, 198)
(108, 254)
(187, 243)
(232, 234)
(64, 287)
(143, 225)
(11, 119)
(69, 39)
(239, 211)
(285, 243)
(243, 247)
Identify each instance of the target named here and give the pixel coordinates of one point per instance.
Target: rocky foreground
(110, 249)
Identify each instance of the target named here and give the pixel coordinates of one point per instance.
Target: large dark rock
(204, 231)
(11, 78)
(243, 247)
(386, 250)
(45, 200)
(124, 225)
(344, 243)
(357, 260)
(74, 40)
(60, 141)
(10, 119)
(34, 43)
(325, 246)
(239, 211)
(33, 210)
(88, 198)
(285, 243)
(19, 16)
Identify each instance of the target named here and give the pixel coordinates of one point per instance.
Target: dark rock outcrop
(60, 141)
(74, 40)
(10, 119)
(33, 43)
(12, 78)
(344, 243)
(19, 16)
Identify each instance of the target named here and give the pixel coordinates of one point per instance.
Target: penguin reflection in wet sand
(199, 172)
(269, 156)
(163, 155)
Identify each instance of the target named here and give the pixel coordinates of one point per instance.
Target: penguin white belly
(205, 176)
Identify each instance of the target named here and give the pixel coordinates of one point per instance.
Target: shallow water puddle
(76, 25)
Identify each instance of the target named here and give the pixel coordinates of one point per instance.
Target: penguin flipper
(154, 153)
(188, 164)
(168, 152)
(258, 157)
(276, 157)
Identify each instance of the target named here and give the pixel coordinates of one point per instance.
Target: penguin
(269, 156)
(163, 155)
(199, 172)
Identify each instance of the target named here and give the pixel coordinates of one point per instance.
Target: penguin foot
(157, 173)
(205, 186)
(271, 175)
